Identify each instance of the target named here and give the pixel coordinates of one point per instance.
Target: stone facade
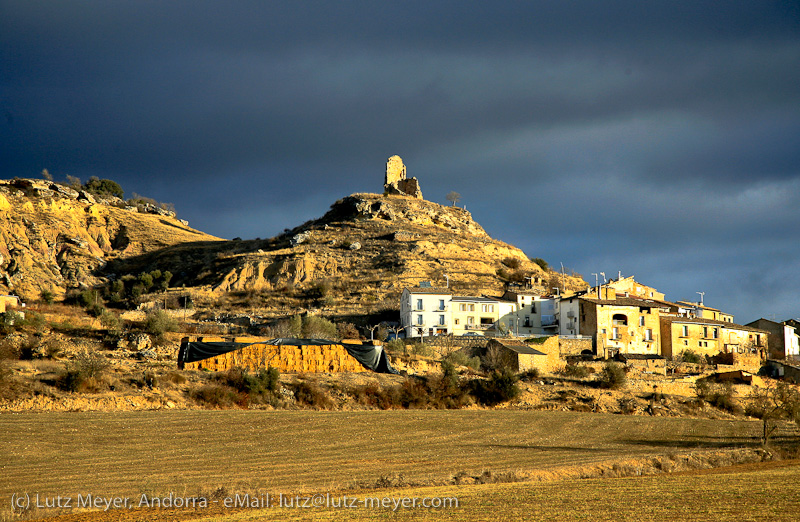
(396, 183)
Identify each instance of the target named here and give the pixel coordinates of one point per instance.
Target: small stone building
(521, 357)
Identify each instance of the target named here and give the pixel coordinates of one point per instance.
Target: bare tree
(453, 197)
(46, 175)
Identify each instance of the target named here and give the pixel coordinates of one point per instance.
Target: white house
(425, 311)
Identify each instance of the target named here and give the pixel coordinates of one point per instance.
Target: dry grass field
(298, 452)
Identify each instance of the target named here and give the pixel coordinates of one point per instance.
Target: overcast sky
(659, 139)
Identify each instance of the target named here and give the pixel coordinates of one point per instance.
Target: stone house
(616, 324)
(782, 338)
(709, 337)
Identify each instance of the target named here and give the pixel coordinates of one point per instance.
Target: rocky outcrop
(54, 238)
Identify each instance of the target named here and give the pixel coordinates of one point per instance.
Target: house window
(419, 319)
(470, 320)
(456, 321)
(487, 308)
(641, 320)
(685, 331)
(471, 308)
(615, 333)
(533, 308)
(441, 320)
(462, 307)
(716, 333)
(620, 320)
(441, 304)
(419, 304)
(705, 331)
(648, 334)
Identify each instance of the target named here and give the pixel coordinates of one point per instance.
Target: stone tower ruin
(396, 183)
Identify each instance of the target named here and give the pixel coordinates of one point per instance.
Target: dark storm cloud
(649, 135)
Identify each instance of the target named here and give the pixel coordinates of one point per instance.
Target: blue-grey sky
(659, 139)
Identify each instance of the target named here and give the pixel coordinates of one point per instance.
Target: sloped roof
(695, 320)
(425, 290)
(517, 346)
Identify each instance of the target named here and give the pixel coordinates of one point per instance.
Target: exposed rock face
(55, 238)
(396, 183)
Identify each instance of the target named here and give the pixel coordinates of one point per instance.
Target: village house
(425, 310)
(710, 337)
(782, 338)
(481, 315)
(533, 314)
(9, 301)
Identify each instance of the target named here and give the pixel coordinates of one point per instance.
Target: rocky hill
(53, 237)
(357, 257)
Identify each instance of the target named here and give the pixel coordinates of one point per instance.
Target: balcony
(479, 327)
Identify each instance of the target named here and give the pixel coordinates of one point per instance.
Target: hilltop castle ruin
(396, 183)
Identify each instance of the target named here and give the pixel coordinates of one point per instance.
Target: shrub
(260, 387)
(575, 370)
(396, 346)
(318, 328)
(347, 331)
(310, 394)
(103, 187)
(218, 396)
(109, 320)
(84, 373)
(460, 358)
(511, 262)
(542, 263)
(420, 348)
(691, 357)
(500, 387)
(159, 322)
(495, 359)
(719, 395)
(47, 297)
(613, 376)
(531, 374)
(96, 310)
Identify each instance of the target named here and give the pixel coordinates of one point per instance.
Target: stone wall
(573, 346)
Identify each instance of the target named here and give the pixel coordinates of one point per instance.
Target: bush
(318, 328)
(531, 374)
(310, 394)
(613, 376)
(420, 348)
(396, 346)
(218, 396)
(511, 262)
(11, 321)
(260, 387)
(500, 387)
(84, 373)
(109, 320)
(47, 297)
(691, 357)
(159, 322)
(576, 370)
(460, 358)
(103, 187)
(719, 395)
(542, 263)
(96, 310)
